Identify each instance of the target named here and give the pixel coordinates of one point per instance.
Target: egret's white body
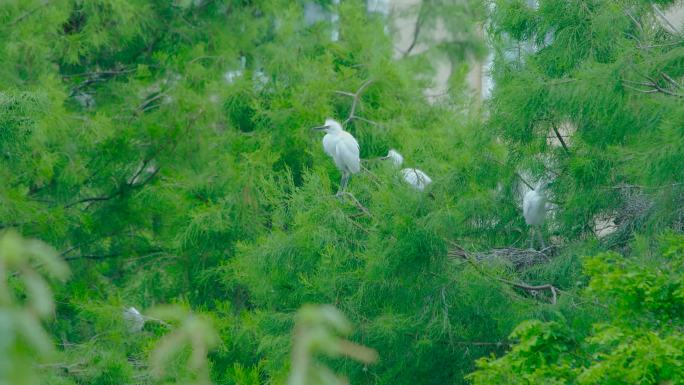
(534, 211)
(343, 148)
(413, 176)
(134, 320)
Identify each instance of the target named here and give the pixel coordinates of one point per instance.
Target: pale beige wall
(403, 14)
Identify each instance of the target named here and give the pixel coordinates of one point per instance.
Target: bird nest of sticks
(518, 259)
(523, 257)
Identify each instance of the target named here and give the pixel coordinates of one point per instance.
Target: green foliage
(163, 149)
(601, 74)
(316, 332)
(193, 331)
(25, 301)
(641, 342)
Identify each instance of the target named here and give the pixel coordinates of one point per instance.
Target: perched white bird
(413, 176)
(232, 76)
(343, 148)
(534, 211)
(134, 320)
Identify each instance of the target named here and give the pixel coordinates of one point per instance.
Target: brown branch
(560, 138)
(664, 18)
(374, 178)
(357, 203)
(636, 22)
(147, 253)
(356, 97)
(670, 80)
(514, 172)
(91, 199)
(416, 31)
(481, 343)
(653, 86)
(458, 251)
(105, 256)
(27, 14)
(97, 74)
(11, 224)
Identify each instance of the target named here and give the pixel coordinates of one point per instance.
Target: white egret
(413, 176)
(534, 211)
(134, 320)
(232, 76)
(343, 148)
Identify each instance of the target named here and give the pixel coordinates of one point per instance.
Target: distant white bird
(134, 320)
(534, 211)
(233, 75)
(343, 148)
(413, 176)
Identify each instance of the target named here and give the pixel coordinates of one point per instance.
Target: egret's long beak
(384, 157)
(321, 128)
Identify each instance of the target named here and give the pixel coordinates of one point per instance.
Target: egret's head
(331, 125)
(395, 157)
(543, 185)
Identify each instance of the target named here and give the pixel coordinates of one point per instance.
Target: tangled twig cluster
(456, 251)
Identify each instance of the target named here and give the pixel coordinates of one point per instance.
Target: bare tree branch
(416, 31)
(356, 97)
(560, 138)
(514, 172)
(27, 14)
(664, 18)
(357, 203)
(460, 252)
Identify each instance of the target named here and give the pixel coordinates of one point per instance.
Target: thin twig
(356, 96)
(357, 203)
(416, 31)
(458, 251)
(27, 14)
(560, 138)
(636, 22)
(670, 80)
(664, 18)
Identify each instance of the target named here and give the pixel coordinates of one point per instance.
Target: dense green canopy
(161, 152)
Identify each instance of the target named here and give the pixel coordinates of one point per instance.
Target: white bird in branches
(134, 320)
(534, 211)
(343, 148)
(413, 176)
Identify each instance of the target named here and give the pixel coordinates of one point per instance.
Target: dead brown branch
(416, 30)
(357, 203)
(356, 99)
(560, 138)
(457, 251)
(28, 13)
(519, 258)
(652, 86)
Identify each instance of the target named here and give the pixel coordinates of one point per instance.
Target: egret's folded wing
(347, 154)
(416, 178)
(329, 144)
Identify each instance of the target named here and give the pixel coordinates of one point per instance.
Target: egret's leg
(541, 237)
(343, 183)
(531, 236)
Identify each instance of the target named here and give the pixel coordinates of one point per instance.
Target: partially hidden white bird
(534, 211)
(343, 148)
(134, 320)
(413, 176)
